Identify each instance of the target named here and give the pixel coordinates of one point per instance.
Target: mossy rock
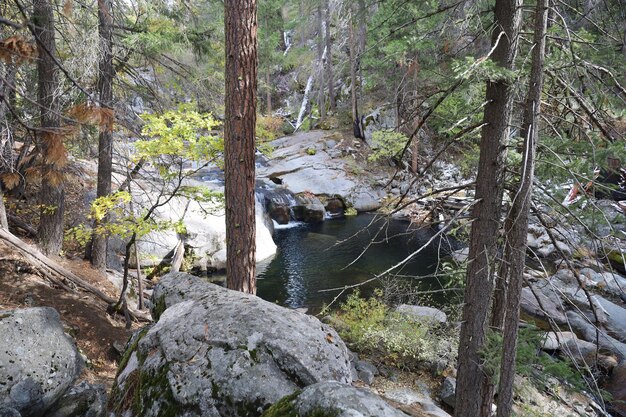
(286, 407)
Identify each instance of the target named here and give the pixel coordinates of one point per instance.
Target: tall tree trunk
(302, 12)
(268, 90)
(517, 221)
(329, 60)
(321, 53)
(362, 39)
(105, 140)
(240, 21)
(486, 214)
(5, 133)
(356, 121)
(52, 194)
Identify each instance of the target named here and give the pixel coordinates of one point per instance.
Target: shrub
(350, 211)
(370, 326)
(268, 128)
(530, 361)
(387, 144)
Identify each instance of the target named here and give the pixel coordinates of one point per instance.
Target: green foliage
(177, 137)
(104, 205)
(372, 327)
(311, 151)
(268, 128)
(530, 361)
(180, 134)
(481, 70)
(452, 275)
(350, 211)
(387, 144)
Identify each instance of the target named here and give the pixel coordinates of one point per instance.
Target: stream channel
(347, 251)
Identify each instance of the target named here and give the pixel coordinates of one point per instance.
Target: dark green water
(315, 257)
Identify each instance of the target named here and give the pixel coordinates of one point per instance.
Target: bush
(387, 144)
(268, 128)
(530, 361)
(370, 326)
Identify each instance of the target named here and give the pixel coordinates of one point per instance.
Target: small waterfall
(279, 204)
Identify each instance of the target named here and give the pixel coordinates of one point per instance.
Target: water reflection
(342, 252)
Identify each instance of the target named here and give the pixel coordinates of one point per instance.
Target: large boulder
(540, 307)
(422, 313)
(38, 361)
(81, 400)
(617, 388)
(205, 234)
(313, 210)
(319, 173)
(333, 399)
(218, 352)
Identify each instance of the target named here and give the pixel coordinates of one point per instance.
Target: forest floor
(98, 335)
(83, 314)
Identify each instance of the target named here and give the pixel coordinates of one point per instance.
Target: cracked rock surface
(217, 352)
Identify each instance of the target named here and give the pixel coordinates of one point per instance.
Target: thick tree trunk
(329, 60)
(105, 141)
(486, 214)
(52, 194)
(239, 131)
(517, 221)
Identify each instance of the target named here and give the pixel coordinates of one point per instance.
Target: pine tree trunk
(329, 60)
(52, 194)
(321, 49)
(5, 134)
(105, 140)
(268, 91)
(486, 214)
(356, 122)
(240, 20)
(517, 221)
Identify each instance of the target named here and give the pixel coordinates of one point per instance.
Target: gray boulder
(585, 330)
(38, 361)
(422, 313)
(218, 352)
(313, 210)
(333, 399)
(448, 392)
(82, 400)
(419, 401)
(320, 173)
(9, 412)
(540, 307)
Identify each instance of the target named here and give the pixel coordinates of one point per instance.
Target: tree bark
(356, 121)
(329, 60)
(321, 55)
(486, 214)
(52, 194)
(517, 221)
(5, 133)
(105, 140)
(240, 21)
(268, 91)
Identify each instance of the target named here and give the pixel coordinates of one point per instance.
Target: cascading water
(279, 204)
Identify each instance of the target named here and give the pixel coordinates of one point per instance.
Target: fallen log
(17, 222)
(56, 273)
